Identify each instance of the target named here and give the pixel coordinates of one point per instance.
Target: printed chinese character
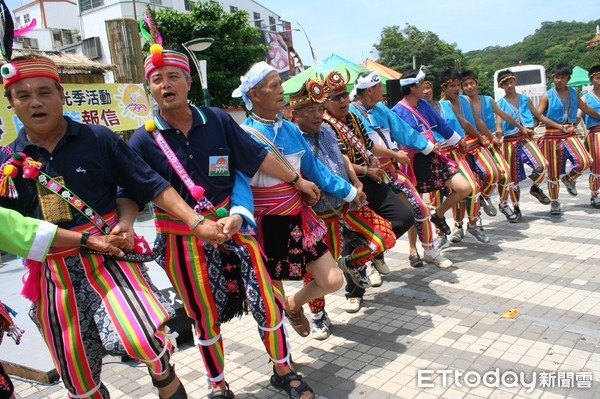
(78, 97)
(92, 97)
(547, 379)
(583, 379)
(566, 379)
(110, 117)
(90, 116)
(104, 96)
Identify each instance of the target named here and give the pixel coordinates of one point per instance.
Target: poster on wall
(116, 106)
(277, 55)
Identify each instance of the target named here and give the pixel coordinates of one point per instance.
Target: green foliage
(551, 44)
(236, 46)
(397, 47)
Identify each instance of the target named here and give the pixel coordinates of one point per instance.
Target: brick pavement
(545, 266)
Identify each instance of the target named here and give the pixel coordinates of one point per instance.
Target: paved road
(438, 323)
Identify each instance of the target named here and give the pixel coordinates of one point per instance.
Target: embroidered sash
(283, 199)
(348, 134)
(194, 189)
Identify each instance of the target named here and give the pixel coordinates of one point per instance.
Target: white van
(531, 81)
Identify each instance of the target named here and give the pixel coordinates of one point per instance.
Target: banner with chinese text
(116, 106)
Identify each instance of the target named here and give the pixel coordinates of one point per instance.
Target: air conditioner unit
(92, 48)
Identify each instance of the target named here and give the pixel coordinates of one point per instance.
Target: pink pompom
(30, 172)
(197, 192)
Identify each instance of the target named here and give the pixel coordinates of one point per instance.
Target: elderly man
(68, 173)
(209, 159)
(295, 242)
(343, 221)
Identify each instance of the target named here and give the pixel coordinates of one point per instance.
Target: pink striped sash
(284, 200)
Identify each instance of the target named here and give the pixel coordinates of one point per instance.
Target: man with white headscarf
(290, 231)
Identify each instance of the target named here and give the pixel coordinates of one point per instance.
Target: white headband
(364, 82)
(412, 81)
(253, 77)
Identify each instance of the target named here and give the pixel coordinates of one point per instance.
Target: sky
(350, 28)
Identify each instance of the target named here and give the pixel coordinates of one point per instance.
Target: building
(79, 27)
(57, 25)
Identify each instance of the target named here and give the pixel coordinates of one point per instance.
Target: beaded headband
(311, 92)
(28, 68)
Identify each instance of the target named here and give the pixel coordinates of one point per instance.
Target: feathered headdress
(158, 56)
(8, 32)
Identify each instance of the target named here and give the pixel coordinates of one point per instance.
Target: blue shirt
(214, 139)
(381, 117)
(594, 102)
(521, 114)
(447, 113)
(93, 161)
(441, 130)
(559, 111)
(288, 139)
(325, 146)
(486, 112)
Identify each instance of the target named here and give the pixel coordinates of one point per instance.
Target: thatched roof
(67, 62)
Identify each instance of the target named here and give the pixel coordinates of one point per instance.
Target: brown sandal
(299, 322)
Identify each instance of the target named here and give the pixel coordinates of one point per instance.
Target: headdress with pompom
(14, 71)
(158, 56)
(336, 83)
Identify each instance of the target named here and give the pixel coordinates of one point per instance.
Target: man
(485, 108)
(592, 141)
(560, 104)
(208, 159)
(387, 130)
(480, 159)
(518, 145)
(341, 221)
(289, 230)
(363, 153)
(31, 239)
(435, 172)
(63, 164)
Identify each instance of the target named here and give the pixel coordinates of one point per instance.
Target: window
(18, 21)
(26, 18)
(159, 2)
(85, 5)
(92, 48)
(272, 25)
(257, 20)
(189, 4)
(233, 9)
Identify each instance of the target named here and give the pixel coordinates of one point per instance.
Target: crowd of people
(239, 209)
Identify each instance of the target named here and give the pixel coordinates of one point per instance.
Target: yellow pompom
(149, 125)
(156, 49)
(10, 171)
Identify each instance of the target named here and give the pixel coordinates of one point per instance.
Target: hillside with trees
(552, 43)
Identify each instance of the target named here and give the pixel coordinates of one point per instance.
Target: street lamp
(200, 44)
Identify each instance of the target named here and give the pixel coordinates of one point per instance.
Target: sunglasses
(338, 97)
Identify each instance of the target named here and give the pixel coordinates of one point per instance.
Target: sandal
(224, 394)
(284, 382)
(179, 393)
(299, 322)
(440, 223)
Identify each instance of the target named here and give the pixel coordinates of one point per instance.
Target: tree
(397, 48)
(236, 46)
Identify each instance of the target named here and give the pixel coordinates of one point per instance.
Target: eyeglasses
(338, 97)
